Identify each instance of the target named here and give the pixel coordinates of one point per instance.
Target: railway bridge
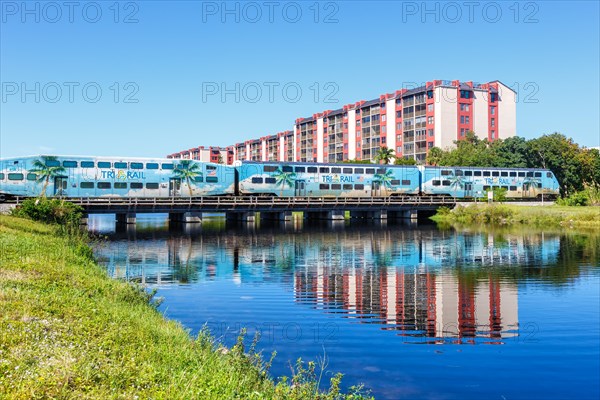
(245, 208)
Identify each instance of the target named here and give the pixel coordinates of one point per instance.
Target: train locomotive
(77, 176)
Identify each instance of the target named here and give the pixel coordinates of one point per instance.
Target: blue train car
(77, 176)
(288, 179)
(469, 182)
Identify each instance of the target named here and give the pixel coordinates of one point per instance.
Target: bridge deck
(266, 204)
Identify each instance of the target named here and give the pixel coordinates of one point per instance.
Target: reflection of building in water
(416, 304)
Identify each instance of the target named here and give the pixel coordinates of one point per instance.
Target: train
(81, 177)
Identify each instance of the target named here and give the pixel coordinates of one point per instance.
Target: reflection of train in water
(76, 176)
(424, 284)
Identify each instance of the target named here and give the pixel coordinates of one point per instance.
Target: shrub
(576, 199)
(53, 211)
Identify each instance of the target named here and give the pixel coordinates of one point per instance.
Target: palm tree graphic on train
(457, 182)
(188, 170)
(384, 179)
(284, 179)
(45, 168)
(532, 183)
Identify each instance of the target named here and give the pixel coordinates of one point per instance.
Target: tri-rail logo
(339, 179)
(123, 175)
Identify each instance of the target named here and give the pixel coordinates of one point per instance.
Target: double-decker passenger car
(469, 182)
(77, 176)
(287, 179)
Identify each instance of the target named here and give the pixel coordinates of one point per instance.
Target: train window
(103, 185)
(121, 165)
(538, 174)
(503, 173)
(347, 187)
(287, 168)
(359, 170)
(324, 170)
(31, 176)
(86, 185)
(1, 176)
(395, 182)
(300, 169)
(270, 180)
(198, 179)
(521, 174)
(468, 173)
(136, 185)
(167, 166)
(336, 170)
(347, 170)
(15, 177)
(151, 165)
(486, 188)
(446, 172)
(210, 168)
(70, 164)
(381, 171)
(405, 182)
(324, 186)
(212, 179)
(311, 170)
(270, 168)
(336, 186)
(52, 163)
(137, 165)
(505, 187)
(435, 183)
(486, 173)
(512, 188)
(476, 173)
(151, 185)
(120, 185)
(103, 164)
(87, 164)
(548, 174)
(529, 174)
(495, 173)
(369, 170)
(359, 186)
(257, 180)
(512, 173)
(458, 172)
(445, 183)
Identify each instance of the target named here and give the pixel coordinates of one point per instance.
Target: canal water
(411, 312)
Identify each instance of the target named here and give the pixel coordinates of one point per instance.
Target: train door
(174, 187)
(300, 188)
(60, 186)
(468, 190)
(376, 189)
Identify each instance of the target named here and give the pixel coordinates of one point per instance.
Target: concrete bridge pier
(247, 216)
(126, 218)
(186, 217)
(277, 216)
(334, 215)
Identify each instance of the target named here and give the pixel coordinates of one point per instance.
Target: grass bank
(69, 331)
(536, 216)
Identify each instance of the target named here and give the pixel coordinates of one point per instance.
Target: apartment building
(220, 155)
(410, 122)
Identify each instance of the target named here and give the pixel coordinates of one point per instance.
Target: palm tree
(532, 183)
(284, 178)
(187, 169)
(457, 182)
(385, 179)
(46, 168)
(384, 154)
(434, 156)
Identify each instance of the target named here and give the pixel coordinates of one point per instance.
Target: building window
(493, 134)
(493, 110)
(462, 119)
(429, 107)
(466, 119)
(430, 132)
(430, 120)
(493, 122)
(430, 94)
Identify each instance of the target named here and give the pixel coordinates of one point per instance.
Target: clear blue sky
(172, 56)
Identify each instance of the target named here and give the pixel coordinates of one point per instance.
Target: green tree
(355, 161)
(46, 168)
(405, 161)
(187, 170)
(435, 156)
(284, 179)
(384, 155)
